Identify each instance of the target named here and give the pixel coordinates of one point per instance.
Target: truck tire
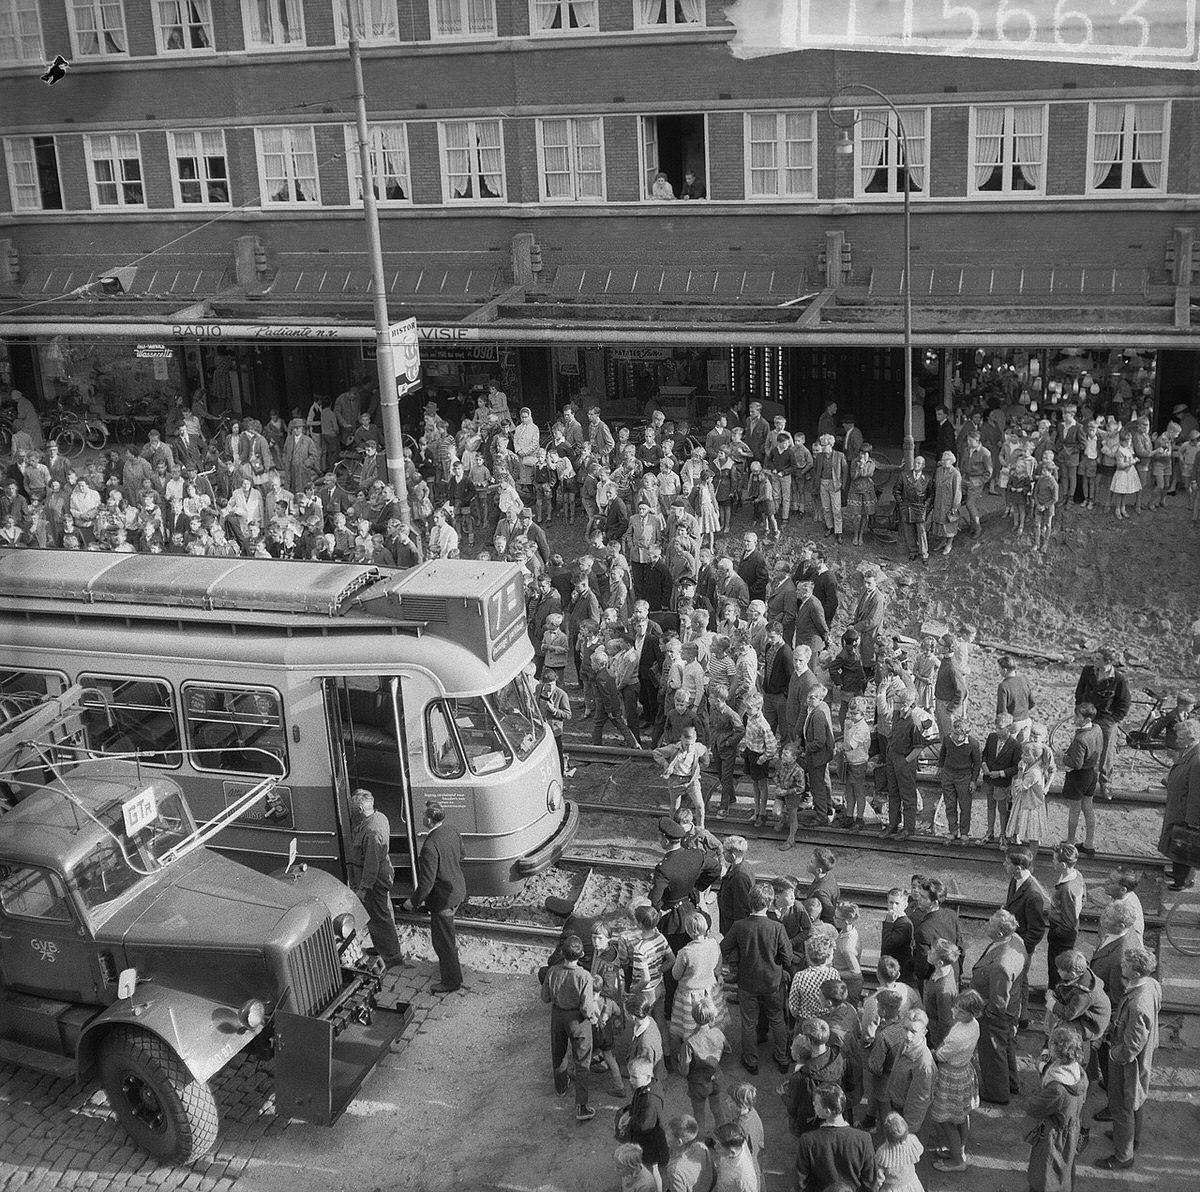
(165, 1111)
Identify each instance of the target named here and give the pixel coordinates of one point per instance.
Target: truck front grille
(314, 970)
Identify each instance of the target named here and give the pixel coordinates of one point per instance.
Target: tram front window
(520, 717)
(485, 748)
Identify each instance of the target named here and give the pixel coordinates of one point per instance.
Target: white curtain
(1148, 141)
(583, 14)
(873, 131)
(556, 154)
(651, 12)
(693, 11)
(764, 164)
(113, 17)
(1107, 121)
(458, 158)
(546, 14)
(1027, 144)
(589, 157)
(200, 17)
(292, 20)
(989, 142)
(914, 126)
(798, 153)
(480, 17)
(448, 18)
(491, 156)
(375, 20)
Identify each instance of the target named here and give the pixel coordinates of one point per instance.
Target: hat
(681, 502)
(559, 906)
(947, 457)
(1180, 409)
(296, 422)
(670, 829)
(431, 407)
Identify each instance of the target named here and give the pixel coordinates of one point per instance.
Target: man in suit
(1133, 1038)
(583, 606)
(1028, 902)
(616, 516)
(527, 526)
(996, 977)
(777, 676)
(816, 735)
(440, 889)
(1118, 935)
(733, 900)
(829, 467)
(812, 629)
(759, 946)
(803, 682)
(647, 641)
(646, 529)
(782, 602)
(730, 586)
(752, 568)
(657, 583)
(545, 601)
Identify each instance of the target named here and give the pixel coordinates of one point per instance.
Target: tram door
(366, 732)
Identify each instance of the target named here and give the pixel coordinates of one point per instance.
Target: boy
(1164, 727)
(847, 673)
(790, 788)
(855, 747)
(679, 720)
(682, 764)
(998, 767)
(573, 1003)
(885, 1048)
(460, 493)
(554, 646)
(959, 761)
(824, 885)
(898, 941)
(556, 708)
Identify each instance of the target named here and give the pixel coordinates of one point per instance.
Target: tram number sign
(406, 354)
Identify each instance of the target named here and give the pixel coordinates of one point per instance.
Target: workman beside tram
(371, 873)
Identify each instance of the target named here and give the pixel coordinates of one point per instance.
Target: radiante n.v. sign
(1107, 32)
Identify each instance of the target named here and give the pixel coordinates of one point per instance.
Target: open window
(673, 145)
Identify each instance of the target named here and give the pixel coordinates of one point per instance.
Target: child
(956, 1087)
(847, 952)
(700, 1061)
(555, 706)
(645, 1041)
(682, 764)
(742, 1112)
(789, 791)
(758, 748)
(941, 988)
(897, 1157)
(635, 1176)
(887, 971)
(881, 1058)
(681, 716)
(589, 640)
(763, 496)
(1167, 725)
(648, 1118)
(1027, 819)
(1089, 462)
(898, 938)
(924, 672)
(1044, 499)
(554, 646)
(844, 1033)
(1020, 485)
(420, 505)
(824, 885)
(855, 747)
(650, 955)
(1001, 757)
(848, 674)
(544, 481)
(608, 978)
(691, 1165)
(460, 496)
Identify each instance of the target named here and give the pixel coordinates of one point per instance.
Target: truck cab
(130, 951)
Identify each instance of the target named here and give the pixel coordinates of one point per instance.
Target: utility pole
(389, 401)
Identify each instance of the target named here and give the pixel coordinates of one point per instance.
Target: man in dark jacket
(812, 629)
(733, 899)
(1029, 904)
(657, 581)
(752, 568)
(759, 946)
(371, 874)
(616, 517)
(777, 676)
(440, 889)
(1105, 687)
(949, 689)
(936, 922)
(782, 602)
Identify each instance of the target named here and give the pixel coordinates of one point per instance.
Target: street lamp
(845, 148)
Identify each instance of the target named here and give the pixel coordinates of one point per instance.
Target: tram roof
(266, 586)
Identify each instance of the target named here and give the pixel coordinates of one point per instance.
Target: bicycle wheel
(345, 475)
(1061, 735)
(1182, 926)
(95, 434)
(70, 441)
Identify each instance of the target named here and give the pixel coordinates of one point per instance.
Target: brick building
(200, 155)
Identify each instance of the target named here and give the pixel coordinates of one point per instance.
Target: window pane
(445, 760)
(486, 750)
(237, 729)
(20, 31)
(519, 715)
(33, 894)
(131, 716)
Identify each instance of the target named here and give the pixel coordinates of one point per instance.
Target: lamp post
(845, 147)
(389, 400)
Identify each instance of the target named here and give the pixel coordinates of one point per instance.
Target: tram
(218, 672)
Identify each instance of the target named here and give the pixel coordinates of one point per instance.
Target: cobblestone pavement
(54, 1135)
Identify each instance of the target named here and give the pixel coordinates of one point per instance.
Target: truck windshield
(517, 710)
(121, 860)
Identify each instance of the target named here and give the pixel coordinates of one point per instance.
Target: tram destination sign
(1143, 33)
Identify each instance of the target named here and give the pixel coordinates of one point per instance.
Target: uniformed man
(371, 873)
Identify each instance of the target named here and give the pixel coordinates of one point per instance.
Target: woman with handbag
(1180, 839)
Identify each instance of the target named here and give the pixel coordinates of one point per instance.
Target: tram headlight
(554, 796)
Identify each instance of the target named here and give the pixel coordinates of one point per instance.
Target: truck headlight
(554, 796)
(344, 926)
(252, 1014)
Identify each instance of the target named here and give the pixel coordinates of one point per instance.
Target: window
(462, 18)
(516, 708)
(557, 15)
(572, 157)
(131, 716)
(270, 23)
(33, 893)
(20, 31)
(235, 728)
(1127, 148)
(287, 166)
(199, 168)
(879, 156)
(649, 14)
(389, 163)
(375, 21)
(97, 28)
(33, 178)
(1008, 149)
(183, 26)
(673, 146)
(485, 749)
(116, 170)
(445, 758)
(21, 688)
(781, 151)
(472, 159)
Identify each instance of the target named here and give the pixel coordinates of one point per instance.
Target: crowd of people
(876, 1081)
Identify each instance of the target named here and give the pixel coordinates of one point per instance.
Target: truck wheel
(164, 1110)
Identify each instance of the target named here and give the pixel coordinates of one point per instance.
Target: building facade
(531, 160)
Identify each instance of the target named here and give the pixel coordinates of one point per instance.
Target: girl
(700, 1054)
(704, 506)
(758, 747)
(763, 496)
(855, 746)
(1089, 464)
(608, 978)
(897, 1157)
(724, 487)
(847, 951)
(956, 1086)
(941, 990)
(1044, 499)
(697, 969)
(742, 1112)
(1020, 486)
(1056, 1109)
(1039, 735)
(1027, 817)
(861, 500)
(1125, 481)
(1110, 440)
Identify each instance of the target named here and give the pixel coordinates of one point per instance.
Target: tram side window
(445, 758)
(486, 750)
(20, 689)
(131, 716)
(235, 728)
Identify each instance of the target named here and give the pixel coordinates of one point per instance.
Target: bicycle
(1137, 739)
(1182, 925)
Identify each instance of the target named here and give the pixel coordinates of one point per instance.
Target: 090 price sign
(1159, 33)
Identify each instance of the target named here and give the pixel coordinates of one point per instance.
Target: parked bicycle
(1138, 739)
(1182, 924)
(76, 432)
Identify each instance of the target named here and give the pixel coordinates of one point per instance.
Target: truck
(133, 953)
